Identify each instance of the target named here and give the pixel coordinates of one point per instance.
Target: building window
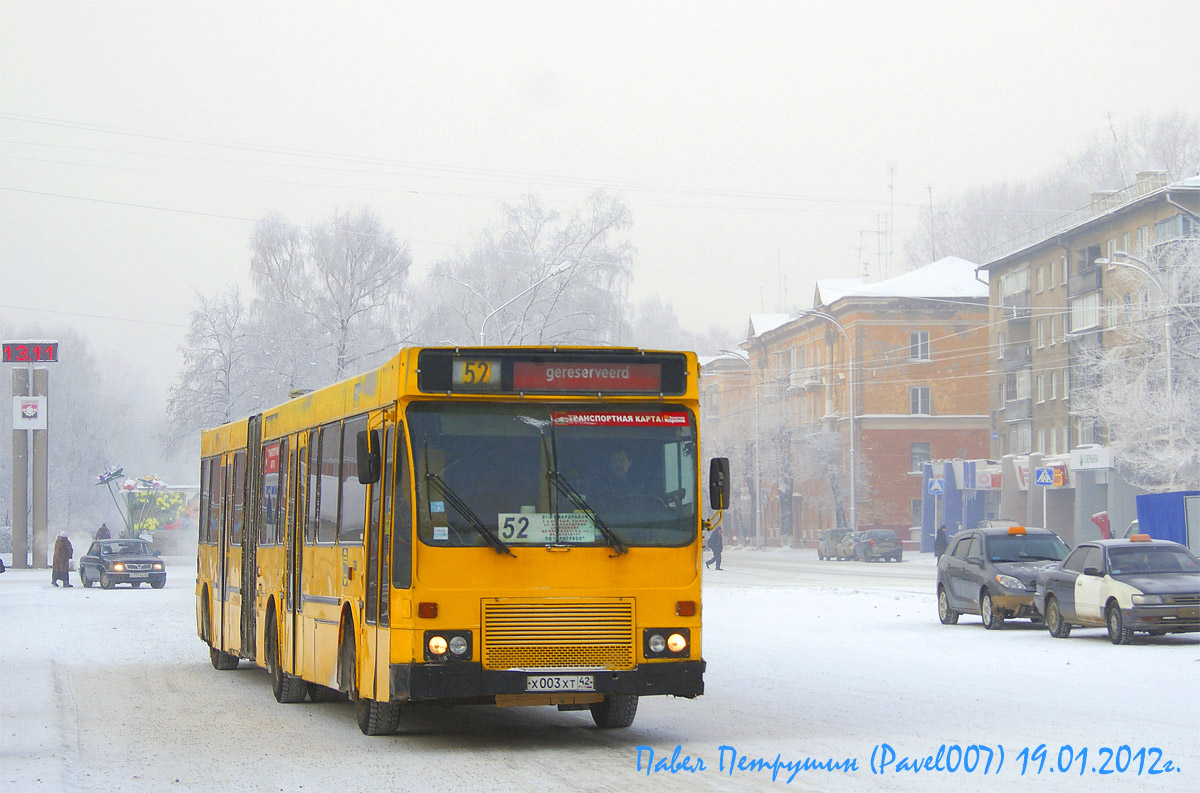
(1024, 436)
(1065, 269)
(918, 456)
(918, 345)
(1066, 392)
(1053, 442)
(1040, 281)
(1041, 388)
(1041, 438)
(1125, 242)
(1014, 282)
(1066, 446)
(1041, 333)
(916, 511)
(1143, 239)
(1000, 345)
(918, 401)
(1054, 328)
(1085, 312)
(1054, 385)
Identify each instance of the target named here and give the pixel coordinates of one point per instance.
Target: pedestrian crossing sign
(1044, 477)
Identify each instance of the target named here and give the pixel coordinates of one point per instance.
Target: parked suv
(878, 544)
(993, 572)
(827, 545)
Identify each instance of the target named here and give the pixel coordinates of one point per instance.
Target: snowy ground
(825, 660)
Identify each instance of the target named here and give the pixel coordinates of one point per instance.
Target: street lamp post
(758, 537)
(853, 446)
(1145, 269)
(561, 268)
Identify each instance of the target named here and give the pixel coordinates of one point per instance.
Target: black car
(878, 544)
(1127, 585)
(992, 571)
(112, 562)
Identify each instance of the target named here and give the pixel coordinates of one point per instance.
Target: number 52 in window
(477, 373)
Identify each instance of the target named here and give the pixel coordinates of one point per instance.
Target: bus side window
(402, 512)
(328, 491)
(281, 496)
(386, 527)
(238, 492)
(217, 506)
(374, 528)
(352, 493)
(314, 487)
(205, 495)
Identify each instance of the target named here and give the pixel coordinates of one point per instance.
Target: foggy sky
(140, 141)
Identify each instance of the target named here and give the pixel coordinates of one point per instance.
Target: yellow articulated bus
(510, 525)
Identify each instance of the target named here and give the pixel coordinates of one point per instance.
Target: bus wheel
(285, 687)
(319, 693)
(377, 718)
(617, 710)
(222, 660)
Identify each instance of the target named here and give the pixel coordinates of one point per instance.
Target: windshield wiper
(564, 487)
(461, 508)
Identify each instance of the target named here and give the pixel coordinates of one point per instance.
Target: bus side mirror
(718, 483)
(368, 457)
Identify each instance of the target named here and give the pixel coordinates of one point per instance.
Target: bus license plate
(560, 683)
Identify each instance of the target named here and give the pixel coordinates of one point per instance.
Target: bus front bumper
(470, 681)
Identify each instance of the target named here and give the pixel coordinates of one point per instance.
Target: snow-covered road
(110, 690)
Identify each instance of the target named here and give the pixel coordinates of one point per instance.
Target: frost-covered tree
(328, 296)
(656, 326)
(1153, 430)
(216, 384)
(540, 278)
(969, 224)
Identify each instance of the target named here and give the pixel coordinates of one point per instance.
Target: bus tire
(377, 718)
(222, 660)
(615, 711)
(319, 693)
(287, 688)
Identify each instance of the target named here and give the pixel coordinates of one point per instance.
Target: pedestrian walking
(716, 545)
(61, 566)
(103, 533)
(941, 542)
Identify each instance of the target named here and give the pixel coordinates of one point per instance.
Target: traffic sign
(1044, 477)
(937, 485)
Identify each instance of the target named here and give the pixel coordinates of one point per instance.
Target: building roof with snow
(947, 278)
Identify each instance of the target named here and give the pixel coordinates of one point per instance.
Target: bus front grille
(558, 634)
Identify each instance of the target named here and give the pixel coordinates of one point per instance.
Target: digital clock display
(30, 352)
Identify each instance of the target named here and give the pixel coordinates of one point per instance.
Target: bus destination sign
(582, 376)
(497, 370)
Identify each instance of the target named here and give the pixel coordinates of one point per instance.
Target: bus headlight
(443, 646)
(666, 642)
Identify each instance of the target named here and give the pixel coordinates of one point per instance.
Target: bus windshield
(553, 474)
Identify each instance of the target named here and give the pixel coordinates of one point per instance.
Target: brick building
(916, 349)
